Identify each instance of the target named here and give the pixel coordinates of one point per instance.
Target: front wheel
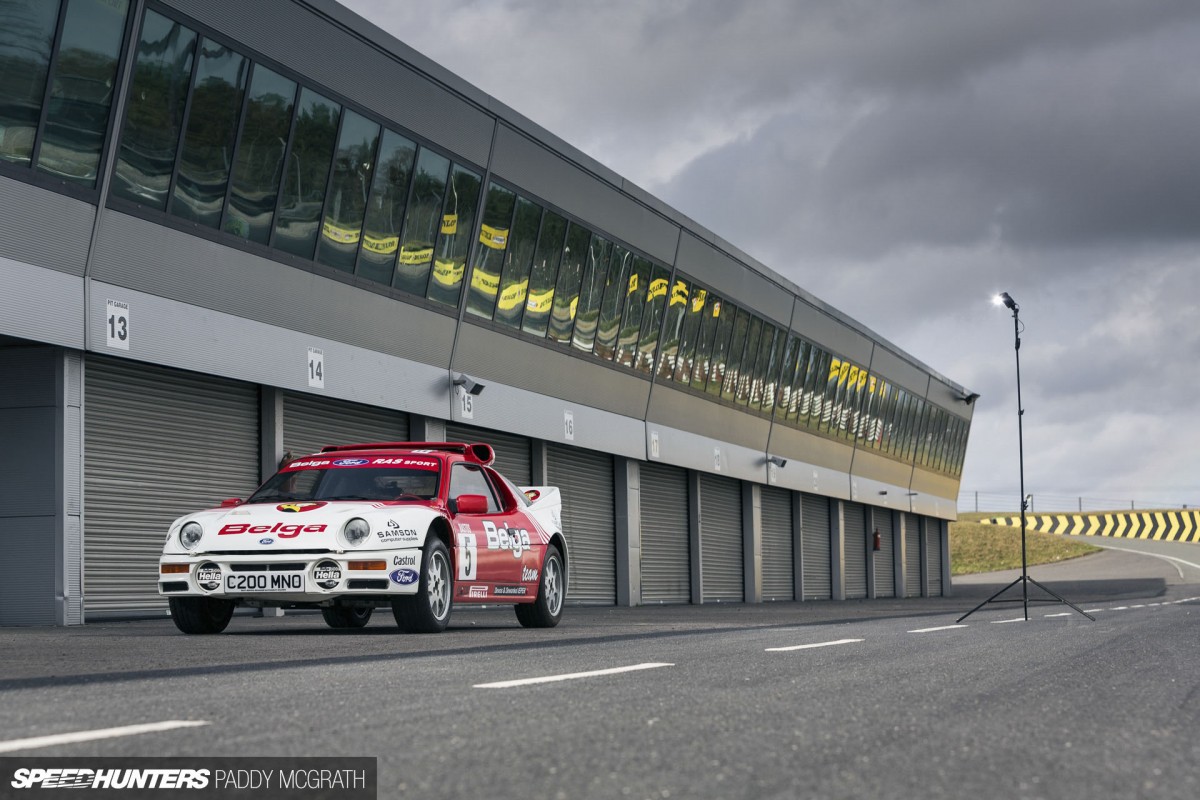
(428, 610)
(346, 616)
(200, 614)
(546, 610)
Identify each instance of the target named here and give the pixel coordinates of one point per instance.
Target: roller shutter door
(777, 548)
(585, 479)
(514, 459)
(814, 543)
(885, 569)
(912, 555)
(933, 557)
(721, 539)
(311, 422)
(664, 512)
(159, 444)
(854, 549)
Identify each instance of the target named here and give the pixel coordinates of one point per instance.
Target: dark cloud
(904, 161)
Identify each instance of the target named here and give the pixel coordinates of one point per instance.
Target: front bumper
(283, 578)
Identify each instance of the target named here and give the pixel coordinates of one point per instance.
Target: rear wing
(545, 504)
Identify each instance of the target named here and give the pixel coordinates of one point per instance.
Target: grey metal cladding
(322, 51)
(834, 335)
(895, 369)
(28, 486)
(699, 415)
(44, 228)
(949, 397)
(488, 354)
(162, 261)
(533, 167)
(26, 595)
(733, 280)
(35, 367)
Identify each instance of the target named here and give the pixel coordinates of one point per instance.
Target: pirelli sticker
(495, 238)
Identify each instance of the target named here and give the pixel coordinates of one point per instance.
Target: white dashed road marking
(810, 646)
(91, 736)
(568, 677)
(1002, 621)
(941, 628)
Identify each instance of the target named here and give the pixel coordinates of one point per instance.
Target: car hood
(313, 525)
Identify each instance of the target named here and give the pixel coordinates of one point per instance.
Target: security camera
(469, 384)
(969, 398)
(777, 461)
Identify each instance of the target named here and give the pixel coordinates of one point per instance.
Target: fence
(1009, 502)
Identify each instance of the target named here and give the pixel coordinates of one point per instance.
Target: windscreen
(378, 478)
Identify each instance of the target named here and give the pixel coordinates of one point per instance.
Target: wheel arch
(560, 541)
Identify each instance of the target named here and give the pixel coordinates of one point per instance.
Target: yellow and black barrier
(1170, 526)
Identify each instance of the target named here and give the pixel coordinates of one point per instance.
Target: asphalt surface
(883, 698)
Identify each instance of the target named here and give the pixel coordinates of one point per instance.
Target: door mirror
(470, 504)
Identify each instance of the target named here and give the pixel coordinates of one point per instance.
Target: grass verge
(975, 547)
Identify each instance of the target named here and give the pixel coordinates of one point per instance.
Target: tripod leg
(1061, 599)
(990, 599)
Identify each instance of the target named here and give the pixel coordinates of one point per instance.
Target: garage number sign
(316, 368)
(116, 324)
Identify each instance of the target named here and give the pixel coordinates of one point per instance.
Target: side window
(469, 479)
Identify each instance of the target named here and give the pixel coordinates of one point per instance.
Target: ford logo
(404, 577)
(266, 541)
(350, 462)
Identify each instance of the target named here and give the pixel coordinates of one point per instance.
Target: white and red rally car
(417, 526)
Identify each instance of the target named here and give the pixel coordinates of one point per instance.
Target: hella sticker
(268, 540)
(350, 462)
(404, 577)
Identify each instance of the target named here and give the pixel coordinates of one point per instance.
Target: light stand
(1024, 578)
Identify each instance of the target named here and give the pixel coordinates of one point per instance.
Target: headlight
(190, 535)
(356, 531)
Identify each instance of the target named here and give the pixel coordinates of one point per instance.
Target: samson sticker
(395, 533)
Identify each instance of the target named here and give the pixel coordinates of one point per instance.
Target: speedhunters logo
(225, 778)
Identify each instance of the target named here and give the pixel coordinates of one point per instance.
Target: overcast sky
(905, 161)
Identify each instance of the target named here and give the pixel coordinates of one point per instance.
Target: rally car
(414, 526)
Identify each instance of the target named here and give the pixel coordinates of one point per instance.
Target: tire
(546, 610)
(428, 610)
(346, 616)
(201, 615)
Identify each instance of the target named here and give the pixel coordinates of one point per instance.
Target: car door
(488, 551)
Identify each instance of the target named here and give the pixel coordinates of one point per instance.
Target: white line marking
(810, 646)
(1063, 614)
(942, 628)
(1120, 608)
(1153, 555)
(103, 733)
(1002, 621)
(568, 677)
(1093, 610)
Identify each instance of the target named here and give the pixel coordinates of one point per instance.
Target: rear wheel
(347, 616)
(428, 610)
(546, 610)
(200, 614)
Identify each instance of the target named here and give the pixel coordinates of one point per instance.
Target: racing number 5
(467, 557)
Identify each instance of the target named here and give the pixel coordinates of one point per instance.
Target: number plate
(253, 582)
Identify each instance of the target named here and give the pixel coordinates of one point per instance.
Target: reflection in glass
(656, 300)
(81, 90)
(709, 324)
(489, 257)
(615, 288)
(733, 356)
(514, 282)
(676, 311)
(155, 113)
(341, 228)
(766, 372)
(385, 208)
(306, 173)
(635, 306)
(693, 314)
(546, 259)
(454, 242)
(26, 39)
(570, 277)
(255, 182)
(815, 384)
(207, 149)
(591, 294)
(749, 361)
(422, 222)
